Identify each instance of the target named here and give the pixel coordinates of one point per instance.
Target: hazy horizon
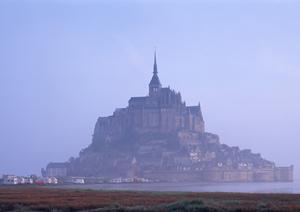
(63, 64)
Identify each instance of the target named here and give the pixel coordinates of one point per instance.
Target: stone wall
(284, 174)
(56, 172)
(173, 176)
(228, 176)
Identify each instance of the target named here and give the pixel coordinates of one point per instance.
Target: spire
(155, 65)
(154, 85)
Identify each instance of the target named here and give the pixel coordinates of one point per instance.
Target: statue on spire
(155, 65)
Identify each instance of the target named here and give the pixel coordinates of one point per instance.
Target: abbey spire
(155, 65)
(154, 85)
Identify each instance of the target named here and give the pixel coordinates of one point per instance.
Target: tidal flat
(34, 198)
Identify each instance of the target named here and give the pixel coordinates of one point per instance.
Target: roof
(139, 99)
(166, 89)
(195, 110)
(57, 165)
(155, 80)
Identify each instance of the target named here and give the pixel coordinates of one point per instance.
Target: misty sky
(64, 63)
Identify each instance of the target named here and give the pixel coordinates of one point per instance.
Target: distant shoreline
(239, 187)
(259, 187)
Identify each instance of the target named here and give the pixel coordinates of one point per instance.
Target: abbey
(159, 137)
(162, 110)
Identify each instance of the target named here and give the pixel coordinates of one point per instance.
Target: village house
(10, 179)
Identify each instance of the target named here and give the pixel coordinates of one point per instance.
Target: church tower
(154, 85)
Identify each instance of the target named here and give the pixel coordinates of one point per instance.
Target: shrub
(262, 206)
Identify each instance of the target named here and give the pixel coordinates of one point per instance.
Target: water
(272, 187)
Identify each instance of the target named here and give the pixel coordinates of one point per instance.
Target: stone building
(56, 170)
(162, 110)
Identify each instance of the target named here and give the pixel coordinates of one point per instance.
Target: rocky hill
(159, 137)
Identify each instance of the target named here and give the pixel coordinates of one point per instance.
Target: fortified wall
(277, 174)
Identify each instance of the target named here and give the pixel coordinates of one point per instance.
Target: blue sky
(64, 63)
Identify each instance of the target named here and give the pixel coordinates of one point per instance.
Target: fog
(65, 63)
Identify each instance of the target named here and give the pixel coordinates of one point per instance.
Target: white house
(75, 180)
(50, 180)
(10, 179)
